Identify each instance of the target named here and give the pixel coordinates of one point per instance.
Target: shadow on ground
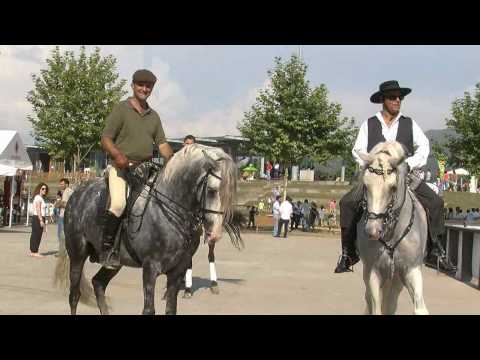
(202, 283)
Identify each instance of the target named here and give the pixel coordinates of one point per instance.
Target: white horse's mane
(187, 155)
(394, 149)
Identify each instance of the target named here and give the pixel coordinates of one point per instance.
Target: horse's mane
(394, 149)
(196, 156)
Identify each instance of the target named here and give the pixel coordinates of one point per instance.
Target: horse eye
(212, 191)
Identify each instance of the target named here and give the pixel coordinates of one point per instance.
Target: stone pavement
(271, 276)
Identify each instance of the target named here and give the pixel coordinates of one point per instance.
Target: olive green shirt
(134, 134)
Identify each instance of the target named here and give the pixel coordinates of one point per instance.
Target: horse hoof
(214, 289)
(187, 294)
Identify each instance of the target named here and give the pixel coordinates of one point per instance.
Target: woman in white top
(38, 219)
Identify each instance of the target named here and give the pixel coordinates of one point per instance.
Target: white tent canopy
(459, 171)
(13, 154)
(13, 157)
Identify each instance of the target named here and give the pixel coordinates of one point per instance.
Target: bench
(264, 220)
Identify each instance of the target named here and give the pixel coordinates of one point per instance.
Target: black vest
(404, 134)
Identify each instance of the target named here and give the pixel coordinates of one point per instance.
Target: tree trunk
(285, 184)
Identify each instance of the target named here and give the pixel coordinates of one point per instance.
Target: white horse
(392, 234)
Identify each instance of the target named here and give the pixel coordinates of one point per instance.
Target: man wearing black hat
(390, 124)
(130, 131)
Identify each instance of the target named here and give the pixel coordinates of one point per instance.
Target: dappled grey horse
(392, 234)
(195, 189)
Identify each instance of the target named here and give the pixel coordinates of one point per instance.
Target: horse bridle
(196, 217)
(390, 216)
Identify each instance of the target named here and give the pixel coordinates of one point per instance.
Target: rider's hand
(121, 161)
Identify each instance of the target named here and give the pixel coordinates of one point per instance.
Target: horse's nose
(375, 233)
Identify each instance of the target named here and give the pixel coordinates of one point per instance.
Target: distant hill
(440, 135)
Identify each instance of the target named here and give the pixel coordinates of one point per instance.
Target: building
(98, 159)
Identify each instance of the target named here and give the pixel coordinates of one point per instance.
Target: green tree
(439, 151)
(71, 99)
(290, 121)
(465, 120)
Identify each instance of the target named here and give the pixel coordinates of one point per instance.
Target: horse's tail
(61, 280)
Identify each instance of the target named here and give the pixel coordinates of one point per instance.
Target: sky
(204, 90)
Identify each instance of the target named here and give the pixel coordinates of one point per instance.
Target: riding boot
(438, 258)
(109, 257)
(349, 255)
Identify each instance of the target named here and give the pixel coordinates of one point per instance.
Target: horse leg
(188, 281)
(76, 268)
(414, 285)
(213, 273)
(150, 274)
(100, 282)
(390, 304)
(386, 292)
(174, 278)
(372, 284)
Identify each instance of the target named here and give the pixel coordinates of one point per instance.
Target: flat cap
(144, 76)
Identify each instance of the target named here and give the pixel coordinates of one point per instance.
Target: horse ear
(365, 157)
(210, 162)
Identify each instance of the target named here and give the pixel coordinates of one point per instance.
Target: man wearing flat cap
(130, 131)
(390, 124)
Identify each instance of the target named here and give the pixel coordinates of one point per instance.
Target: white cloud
(217, 122)
(17, 63)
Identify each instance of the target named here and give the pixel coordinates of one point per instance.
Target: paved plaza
(270, 276)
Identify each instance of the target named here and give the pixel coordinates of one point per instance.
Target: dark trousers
(295, 222)
(251, 221)
(350, 212)
(281, 223)
(36, 235)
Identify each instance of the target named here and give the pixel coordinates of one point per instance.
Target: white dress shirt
(286, 210)
(420, 141)
(276, 208)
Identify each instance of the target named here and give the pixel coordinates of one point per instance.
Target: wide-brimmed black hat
(388, 86)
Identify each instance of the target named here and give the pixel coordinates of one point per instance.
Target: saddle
(140, 179)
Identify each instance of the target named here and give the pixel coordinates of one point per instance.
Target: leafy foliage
(71, 99)
(466, 123)
(291, 121)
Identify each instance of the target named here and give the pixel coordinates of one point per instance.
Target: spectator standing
(321, 215)
(276, 171)
(286, 211)
(64, 185)
(305, 216)
(313, 216)
(38, 219)
(268, 170)
(269, 204)
(276, 214)
(261, 207)
(251, 220)
(296, 215)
